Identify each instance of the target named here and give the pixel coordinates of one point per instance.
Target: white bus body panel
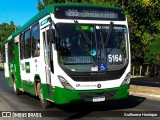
(6, 67)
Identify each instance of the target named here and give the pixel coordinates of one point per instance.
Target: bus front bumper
(64, 96)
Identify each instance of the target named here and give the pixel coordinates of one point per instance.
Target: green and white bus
(71, 53)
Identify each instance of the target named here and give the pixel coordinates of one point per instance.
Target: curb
(147, 94)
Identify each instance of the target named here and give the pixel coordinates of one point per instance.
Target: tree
(143, 17)
(43, 3)
(5, 31)
(152, 52)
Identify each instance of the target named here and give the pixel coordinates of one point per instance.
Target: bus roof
(47, 10)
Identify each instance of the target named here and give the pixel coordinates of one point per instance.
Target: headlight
(64, 83)
(126, 80)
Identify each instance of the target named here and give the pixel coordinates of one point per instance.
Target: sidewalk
(4, 106)
(148, 87)
(143, 91)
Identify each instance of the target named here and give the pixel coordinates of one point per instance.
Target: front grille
(89, 96)
(96, 78)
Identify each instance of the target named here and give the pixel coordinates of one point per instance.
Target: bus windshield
(92, 47)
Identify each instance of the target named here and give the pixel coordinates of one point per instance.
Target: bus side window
(35, 38)
(27, 44)
(11, 50)
(3, 54)
(50, 36)
(50, 40)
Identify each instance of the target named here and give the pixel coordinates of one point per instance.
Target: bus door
(47, 35)
(17, 66)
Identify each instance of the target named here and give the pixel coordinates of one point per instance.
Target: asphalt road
(109, 110)
(149, 82)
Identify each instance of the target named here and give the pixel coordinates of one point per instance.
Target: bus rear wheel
(44, 103)
(16, 90)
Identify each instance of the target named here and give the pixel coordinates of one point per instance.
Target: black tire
(44, 103)
(16, 90)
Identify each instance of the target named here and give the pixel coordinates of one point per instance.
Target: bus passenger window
(36, 51)
(27, 44)
(35, 38)
(11, 50)
(4, 54)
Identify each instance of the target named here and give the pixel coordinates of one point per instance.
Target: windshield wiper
(88, 41)
(102, 40)
(109, 34)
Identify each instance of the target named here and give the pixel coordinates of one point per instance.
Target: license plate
(99, 99)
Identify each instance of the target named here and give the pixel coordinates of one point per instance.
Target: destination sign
(89, 13)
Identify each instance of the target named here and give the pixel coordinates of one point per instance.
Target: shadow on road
(145, 81)
(99, 109)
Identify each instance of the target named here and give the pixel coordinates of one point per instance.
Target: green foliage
(40, 6)
(145, 21)
(152, 53)
(43, 3)
(5, 31)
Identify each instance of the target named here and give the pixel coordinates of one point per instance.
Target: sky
(18, 11)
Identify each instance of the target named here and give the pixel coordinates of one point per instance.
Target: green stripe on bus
(64, 96)
(28, 87)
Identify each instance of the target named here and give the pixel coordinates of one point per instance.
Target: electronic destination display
(89, 13)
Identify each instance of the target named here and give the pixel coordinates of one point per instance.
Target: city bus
(71, 53)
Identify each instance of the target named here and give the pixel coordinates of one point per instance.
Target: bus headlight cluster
(126, 80)
(65, 83)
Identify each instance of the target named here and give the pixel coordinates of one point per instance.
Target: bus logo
(99, 85)
(77, 85)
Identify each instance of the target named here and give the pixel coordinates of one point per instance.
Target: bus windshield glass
(92, 47)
